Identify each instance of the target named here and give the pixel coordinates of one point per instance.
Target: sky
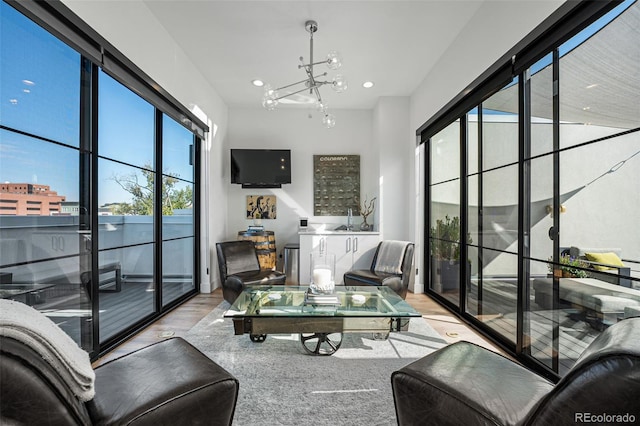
(40, 95)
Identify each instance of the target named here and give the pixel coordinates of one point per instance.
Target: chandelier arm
(315, 88)
(289, 94)
(293, 84)
(311, 81)
(315, 63)
(309, 68)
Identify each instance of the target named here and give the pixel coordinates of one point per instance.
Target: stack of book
(320, 299)
(255, 228)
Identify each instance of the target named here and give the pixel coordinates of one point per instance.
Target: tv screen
(261, 168)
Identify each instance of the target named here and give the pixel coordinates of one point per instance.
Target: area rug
(280, 384)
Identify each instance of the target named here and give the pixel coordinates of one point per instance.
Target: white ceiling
(393, 43)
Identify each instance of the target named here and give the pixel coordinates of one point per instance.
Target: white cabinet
(352, 250)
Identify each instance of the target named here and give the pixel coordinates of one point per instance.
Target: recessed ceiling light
(367, 84)
(257, 83)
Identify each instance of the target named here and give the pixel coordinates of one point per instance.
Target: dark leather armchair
(464, 384)
(239, 267)
(391, 266)
(169, 382)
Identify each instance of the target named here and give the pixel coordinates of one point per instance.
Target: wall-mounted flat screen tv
(261, 168)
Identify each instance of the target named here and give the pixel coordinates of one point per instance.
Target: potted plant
(569, 267)
(445, 252)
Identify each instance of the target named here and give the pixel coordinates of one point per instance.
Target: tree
(143, 193)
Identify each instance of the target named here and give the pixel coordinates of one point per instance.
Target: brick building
(27, 199)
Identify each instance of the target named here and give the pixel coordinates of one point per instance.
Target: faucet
(349, 219)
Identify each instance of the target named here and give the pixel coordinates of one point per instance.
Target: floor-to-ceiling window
(549, 196)
(98, 200)
(178, 199)
(445, 231)
(492, 206)
(126, 186)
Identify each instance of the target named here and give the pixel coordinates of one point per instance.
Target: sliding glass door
(178, 201)
(492, 211)
(445, 230)
(126, 199)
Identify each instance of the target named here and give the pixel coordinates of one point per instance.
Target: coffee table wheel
(258, 338)
(321, 343)
(381, 336)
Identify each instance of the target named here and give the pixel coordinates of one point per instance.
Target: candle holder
(323, 269)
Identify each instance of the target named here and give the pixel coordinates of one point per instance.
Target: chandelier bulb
(328, 121)
(334, 60)
(269, 104)
(270, 92)
(339, 84)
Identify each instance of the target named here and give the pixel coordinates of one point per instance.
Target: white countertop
(333, 232)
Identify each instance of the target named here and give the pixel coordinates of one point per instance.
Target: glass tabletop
(293, 301)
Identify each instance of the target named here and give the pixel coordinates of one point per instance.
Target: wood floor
(179, 321)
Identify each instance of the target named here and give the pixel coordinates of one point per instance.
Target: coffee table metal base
(321, 343)
(325, 342)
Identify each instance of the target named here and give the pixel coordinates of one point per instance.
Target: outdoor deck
(68, 306)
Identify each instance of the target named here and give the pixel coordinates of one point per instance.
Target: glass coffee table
(320, 320)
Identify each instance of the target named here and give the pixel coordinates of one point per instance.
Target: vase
(364, 226)
(323, 268)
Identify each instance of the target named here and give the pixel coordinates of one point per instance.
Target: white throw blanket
(25, 324)
(390, 257)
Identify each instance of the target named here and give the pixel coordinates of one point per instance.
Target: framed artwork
(261, 207)
(336, 184)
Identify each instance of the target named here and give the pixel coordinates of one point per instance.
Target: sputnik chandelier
(272, 96)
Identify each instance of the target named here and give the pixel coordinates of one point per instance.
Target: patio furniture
(602, 303)
(632, 311)
(239, 267)
(612, 270)
(465, 384)
(391, 267)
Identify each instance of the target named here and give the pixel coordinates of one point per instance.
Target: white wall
(292, 129)
(156, 53)
(390, 132)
